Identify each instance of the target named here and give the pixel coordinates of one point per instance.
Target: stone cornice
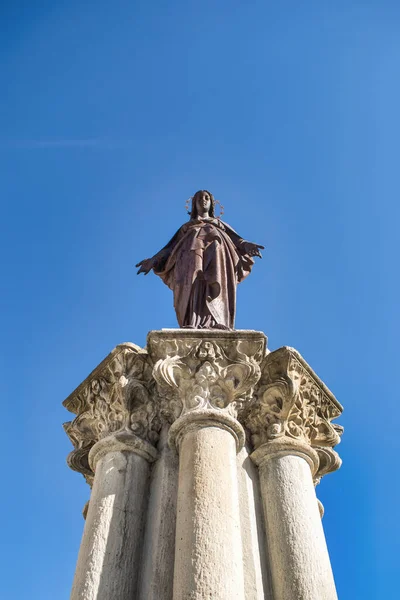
(291, 401)
(76, 399)
(116, 396)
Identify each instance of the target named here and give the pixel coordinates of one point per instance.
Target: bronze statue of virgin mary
(202, 264)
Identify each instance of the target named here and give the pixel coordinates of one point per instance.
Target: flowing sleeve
(245, 262)
(162, 256)
(235, 237)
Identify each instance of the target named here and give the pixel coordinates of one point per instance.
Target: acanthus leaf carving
(291, 401)
(116, 396)
(196, 374)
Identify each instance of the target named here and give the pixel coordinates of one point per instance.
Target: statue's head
(202, 200)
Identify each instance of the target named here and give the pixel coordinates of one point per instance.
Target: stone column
(157, 573)
(293, 436)
(116, 421)
(110, 550)
(204, 377)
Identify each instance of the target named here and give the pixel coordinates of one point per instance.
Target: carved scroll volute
(292, 402)
(329, 461)
(116, 396)
(200, 374)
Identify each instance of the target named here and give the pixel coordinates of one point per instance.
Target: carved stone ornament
(291, 401)
(329, 461)
(117, 396)
(200, 370)
(209, 374)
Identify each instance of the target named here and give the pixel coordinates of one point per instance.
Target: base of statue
(202, 451)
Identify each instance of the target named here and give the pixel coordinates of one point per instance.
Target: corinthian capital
(291, 401)
(205, 370)
(115, 397)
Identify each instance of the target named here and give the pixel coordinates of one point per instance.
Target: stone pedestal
(202, 381)
(196, 520)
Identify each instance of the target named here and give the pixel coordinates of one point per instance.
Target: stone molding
(122, 441)
(194, 420)
(199, 370)
(282, 447)
(117, 396)
(292, 403)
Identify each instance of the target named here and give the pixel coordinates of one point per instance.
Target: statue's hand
(252, 249)
(145, 265)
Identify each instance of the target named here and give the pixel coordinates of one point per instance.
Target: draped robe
(202, 264)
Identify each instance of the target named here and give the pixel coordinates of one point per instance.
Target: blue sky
(112, 114)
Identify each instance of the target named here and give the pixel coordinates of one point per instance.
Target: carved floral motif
(216, 373)
(292, 401)
(116, 396)
(273, 396)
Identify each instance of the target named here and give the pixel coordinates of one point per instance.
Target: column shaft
(157, 570)
(299, 557)
(110, 549)
(208, 553)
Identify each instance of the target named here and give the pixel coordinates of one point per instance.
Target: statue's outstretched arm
(158, 260)
(251, 249)
(244, 247)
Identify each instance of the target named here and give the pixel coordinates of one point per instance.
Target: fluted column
(203, 378)
(116, 421)
(291, 428)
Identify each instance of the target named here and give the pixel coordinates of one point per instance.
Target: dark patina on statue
(202, 264)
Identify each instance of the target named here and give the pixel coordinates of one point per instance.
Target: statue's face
(203, 202)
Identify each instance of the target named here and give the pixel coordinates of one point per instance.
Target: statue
(202, 264)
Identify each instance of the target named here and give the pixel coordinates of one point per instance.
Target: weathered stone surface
(257, 577)
(208, 554)
(298, 555)
(116, 396)
(108, 561)
(203, 379)
(290, 422)
(113, 434)
(158, 555)
(292, 402)
(206, 390)
(205, 369)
